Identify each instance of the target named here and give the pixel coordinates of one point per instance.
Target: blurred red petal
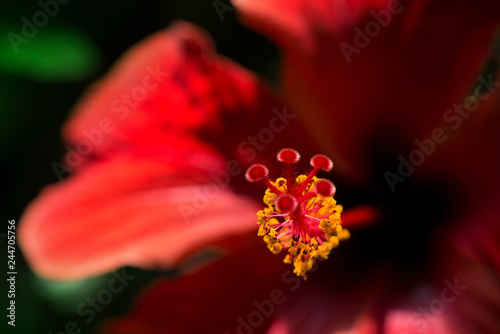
(175, 82)
(168, 123)
(167, 83)
(468, 161)
(133, 209)
(398, 84)
(212, 299)
(403, 321)
(329, 307)
(474, 257)
(360, 216)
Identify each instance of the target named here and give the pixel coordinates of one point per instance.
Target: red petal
(474, 257)
(330, 307)
(360, 216)
(409, 320)
(212, 299)
(399, 85)
(134, 209)
(467, 162)
(166, 83)
(122, 206)
(197, 91)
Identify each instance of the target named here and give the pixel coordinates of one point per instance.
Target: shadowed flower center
(301, 215)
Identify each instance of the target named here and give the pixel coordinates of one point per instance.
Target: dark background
(38, 87)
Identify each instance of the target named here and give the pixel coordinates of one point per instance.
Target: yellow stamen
(308, 233)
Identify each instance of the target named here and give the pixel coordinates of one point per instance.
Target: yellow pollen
(308, 233)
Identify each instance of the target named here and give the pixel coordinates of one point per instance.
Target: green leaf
(51, 55)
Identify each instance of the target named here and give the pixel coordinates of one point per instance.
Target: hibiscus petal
(402, 321)
(142, 145)
(468, 161)
(133, 209)
(398, 83)
(474, 258)
(175, 82)
(326, 305)
(167, 82)
(360, 217)
(217, 296)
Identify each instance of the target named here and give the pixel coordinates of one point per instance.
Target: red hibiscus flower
(393, 91)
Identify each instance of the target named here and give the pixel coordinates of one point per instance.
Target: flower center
(301, 216)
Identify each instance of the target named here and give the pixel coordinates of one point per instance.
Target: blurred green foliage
(55, 55)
